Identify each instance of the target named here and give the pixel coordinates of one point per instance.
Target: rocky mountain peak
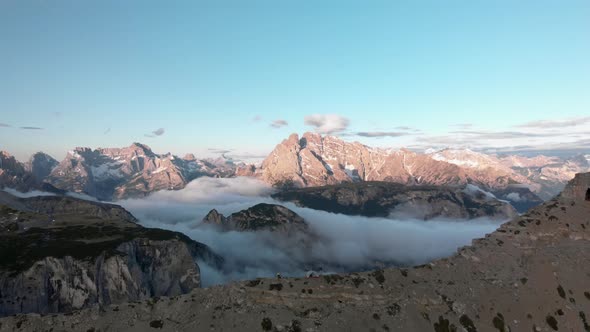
(9, 164)
(267, 217)
(137, 145)
(40, 165)
(214, 217)
(260, 217)
(189, 157)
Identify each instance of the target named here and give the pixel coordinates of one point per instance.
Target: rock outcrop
(59, 254)
(382, 199)
(261, 217)
(578, 188)
(529, 275)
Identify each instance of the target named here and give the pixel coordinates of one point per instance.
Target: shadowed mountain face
(40, 165)
(529, 275)
(13, 173)
(59, 254)
(382, 199)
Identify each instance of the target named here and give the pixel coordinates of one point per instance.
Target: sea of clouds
(340, 243)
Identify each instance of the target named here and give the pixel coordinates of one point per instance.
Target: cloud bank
(340, 243)
(556, 123)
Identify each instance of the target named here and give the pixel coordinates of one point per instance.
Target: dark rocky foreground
(530, 275)
(380, 199)
(59, 254)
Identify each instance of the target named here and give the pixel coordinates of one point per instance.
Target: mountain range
(307, 161)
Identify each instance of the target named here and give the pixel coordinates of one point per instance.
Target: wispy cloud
(381, 134)
(503, 134)
(156, 133)
(220, 151)
(4, 125)
(31, 128)
(279, 123)
(327, 123)
(556, 123)
(107, 131)
(463, 125)
(257, 118)
(406, 128)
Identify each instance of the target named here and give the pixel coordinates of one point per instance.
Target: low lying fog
(343, 243)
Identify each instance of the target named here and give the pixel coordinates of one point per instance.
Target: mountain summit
(134, 171)
(315, 160)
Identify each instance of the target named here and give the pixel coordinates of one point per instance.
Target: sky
(204, 76)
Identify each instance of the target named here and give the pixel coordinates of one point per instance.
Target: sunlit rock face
(134, 171)
(316, 160)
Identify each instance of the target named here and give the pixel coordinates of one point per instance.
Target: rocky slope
(529, 275)
(267, 217)
(59, 254)
(382, 199)
(134, 171)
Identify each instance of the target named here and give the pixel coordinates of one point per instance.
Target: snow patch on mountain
(107, 170)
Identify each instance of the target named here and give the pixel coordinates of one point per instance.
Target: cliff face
(139, 270)
(578, 188)
(315, 160)
(59, 254)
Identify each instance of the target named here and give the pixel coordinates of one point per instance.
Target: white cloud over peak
(327, 123)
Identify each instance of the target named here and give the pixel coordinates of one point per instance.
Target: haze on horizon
(209, 76)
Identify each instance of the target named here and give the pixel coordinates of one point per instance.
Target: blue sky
(106, 73)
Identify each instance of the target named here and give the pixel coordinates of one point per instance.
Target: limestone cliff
(59, 254)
